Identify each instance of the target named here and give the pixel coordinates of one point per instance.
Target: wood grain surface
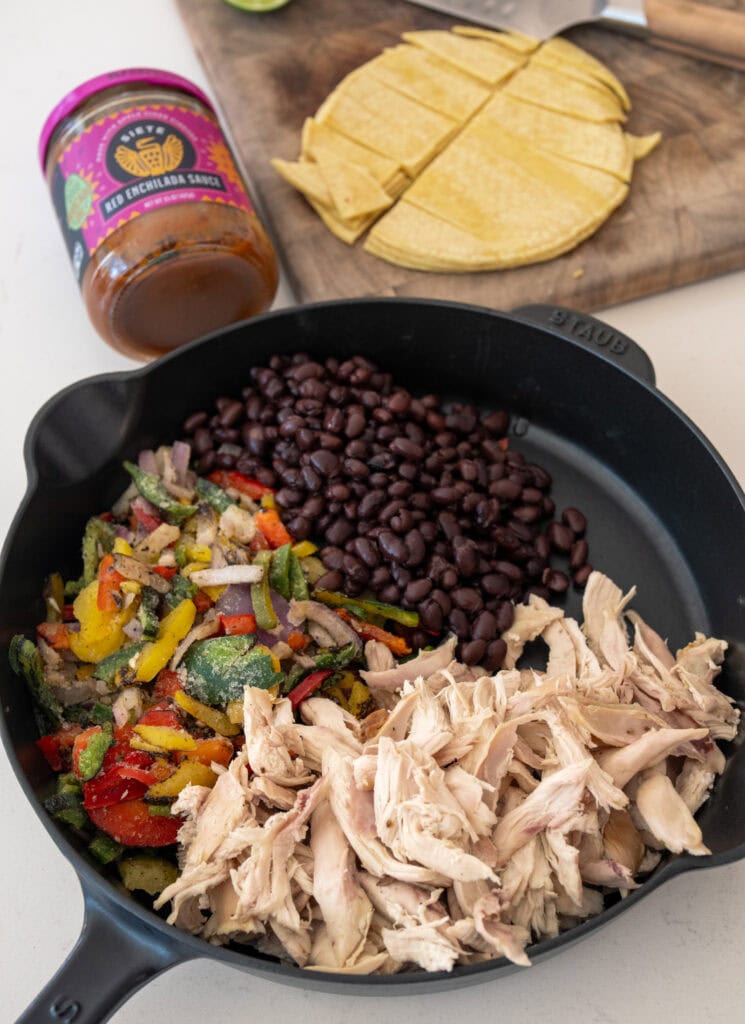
(683, 221)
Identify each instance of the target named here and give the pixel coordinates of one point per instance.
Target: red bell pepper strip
(272, 527)
(166, 571)
(114, 788)
(109, 598)
(131, 824)
(141, 509)
(309, 685)
(296, 641)
(166, 684)
(161, 716)
(367, 631)
(234, 625)
(202, 601)
(55, 634)
(253, 489)
(68, 613)
(51, 748)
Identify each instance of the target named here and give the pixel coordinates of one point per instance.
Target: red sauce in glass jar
(161, 233)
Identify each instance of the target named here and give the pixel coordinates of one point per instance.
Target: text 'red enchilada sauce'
(162, 236)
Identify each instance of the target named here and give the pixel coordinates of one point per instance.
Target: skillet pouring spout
(583, 404)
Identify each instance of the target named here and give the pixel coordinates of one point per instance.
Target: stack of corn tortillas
(471, 149)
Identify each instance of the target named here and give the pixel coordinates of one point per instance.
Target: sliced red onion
(124, 533)
(235, 600)
(133, 630)
(180, 456)
(147, 462)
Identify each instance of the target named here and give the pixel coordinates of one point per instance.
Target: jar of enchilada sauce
(162, 236)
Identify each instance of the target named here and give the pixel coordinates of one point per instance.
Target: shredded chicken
(470, 814)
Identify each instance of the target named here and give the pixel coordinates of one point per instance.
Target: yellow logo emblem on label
(150, 157)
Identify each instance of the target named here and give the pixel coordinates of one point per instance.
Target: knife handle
(699, 30)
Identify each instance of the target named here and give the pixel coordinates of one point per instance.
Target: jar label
(135, 161)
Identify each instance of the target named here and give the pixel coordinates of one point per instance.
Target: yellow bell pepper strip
(165, 737)
(272, 527)
(218, 721)
(365, 609)
(101, 632)
(261, 595)
(188, 773)
(151, 488)
(304, 548)
(122, 547)
(158, 653)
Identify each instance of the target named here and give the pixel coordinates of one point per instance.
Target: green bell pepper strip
(147, 613)
(108, 668)
(261, 594)
(214, 495)
(91, 758)
(151, 488)
(67, 807)
(181, 589)
(279, 571)
(298, 584)
(25, 660)
(336, 659)
(365, 609)
(105, 849)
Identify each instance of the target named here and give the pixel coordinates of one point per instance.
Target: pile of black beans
(426, 506)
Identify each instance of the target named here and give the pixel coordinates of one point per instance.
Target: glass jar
(161, 233)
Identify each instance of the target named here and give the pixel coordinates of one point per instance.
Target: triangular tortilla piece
(516, 41)
(561, 51)
(306, 178)
(319, 138)
(354, 191)
(411, 237)
(527, 210)
(347, 231)
(382, 119)
(550, 89)
(603, 146)
(477, 57)
(429, 81)
(642, 145)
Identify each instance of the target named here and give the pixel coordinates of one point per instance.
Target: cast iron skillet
(665, 514)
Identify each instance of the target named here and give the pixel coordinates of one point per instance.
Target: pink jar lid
(151, 76)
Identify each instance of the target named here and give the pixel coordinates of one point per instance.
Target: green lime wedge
(257, 6)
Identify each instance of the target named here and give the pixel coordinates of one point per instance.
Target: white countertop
(678, 956)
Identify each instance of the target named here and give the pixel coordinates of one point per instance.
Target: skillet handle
(592, 333)
(113, 957)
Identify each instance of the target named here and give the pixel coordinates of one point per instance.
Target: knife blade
(698, 30)
(540, 18)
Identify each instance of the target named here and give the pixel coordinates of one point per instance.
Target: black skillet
(665, 514)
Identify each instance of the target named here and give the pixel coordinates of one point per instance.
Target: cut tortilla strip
(642, 145)
(370, 113)
(318, 138)
(477, 57)
(560, 53)
(306, 178)
(426, 79)
(354, 192)
(603, 146)
(548, 88)
(347, 231)
(516, 41)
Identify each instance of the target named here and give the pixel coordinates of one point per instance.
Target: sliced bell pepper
(218, 721)
(56, 634)
(365, 608)
(219, 749)
(261, 595)
(51, 748)
(202, 601)
(192, 772)
(101, 632)
(115, 787)
(105, 849)
(297, 641)
(25, 660)
(131, 824)
(234, 625)
(279, 571)
(161, 716)
(308, 686)
(109, 598)
(89, 750)
(147, 519)
(166, 737)
(166, 571)
(166, 684)
(115, 669)
(367, 631)
(54, 597)
(214, 494)
(253, 489)
(298, 583)
(150, 487)
(173, 629)
(304, 549)
(98, 540)
(268, 522)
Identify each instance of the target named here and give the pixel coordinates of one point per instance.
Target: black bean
(556, 581)
(574, 519)
(496, 422)
(508, 490)
(381, 577)
(561, 536)
(430, 615)
(332, 557)
(299, 528)
(197, 419)
(332, 442)
(324, 461)
(509, 569)
(415, 547)
(466, 559)
(333, 420)
(418, 590)
(225, 460)
(402, 522)
(339, 531)
(401, 575)
(355, 569)
(367, 552)
(355, 424)
(202, 441)
(582, 575)
(458, 621)
(473, 652)
(385, 461)
(496, 584)
(504, 615)
(449, 579)
(206, 462)
(469, 599)
(288, 497)
(495, 654)
(392, 546)
(371, 504)
(578, 554)
(407, 448)
(338, 492)
(390, 594)
(485, 626)
(541, 478)
(355, 468)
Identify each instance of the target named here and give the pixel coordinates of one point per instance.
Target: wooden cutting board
(684, 219)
